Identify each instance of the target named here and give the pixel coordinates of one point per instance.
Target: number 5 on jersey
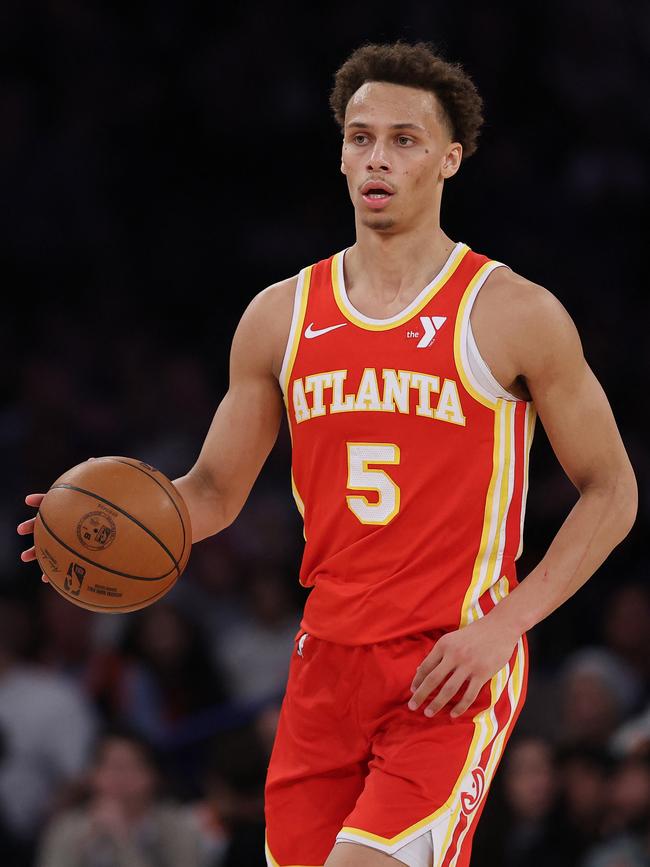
(360, 478)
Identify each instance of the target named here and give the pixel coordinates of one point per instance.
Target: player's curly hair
(414, 65)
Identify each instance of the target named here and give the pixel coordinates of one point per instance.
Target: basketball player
(412, 370)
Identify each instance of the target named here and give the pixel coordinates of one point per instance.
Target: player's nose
(377, 159)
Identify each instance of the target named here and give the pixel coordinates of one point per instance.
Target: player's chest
(351, 374)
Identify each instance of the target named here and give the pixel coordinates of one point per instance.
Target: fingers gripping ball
(112, 534)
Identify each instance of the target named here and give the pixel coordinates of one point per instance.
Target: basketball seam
(100, 565)
(122, 512)
(154, 479)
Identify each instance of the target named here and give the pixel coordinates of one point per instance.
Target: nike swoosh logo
(310, 331)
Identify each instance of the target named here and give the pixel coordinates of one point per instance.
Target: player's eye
(360, 138)
(404, 140)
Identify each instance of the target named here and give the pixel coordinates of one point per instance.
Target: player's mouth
(376, 194)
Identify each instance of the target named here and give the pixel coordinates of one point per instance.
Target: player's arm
(581, 428)
(582, 431)
(246, 423)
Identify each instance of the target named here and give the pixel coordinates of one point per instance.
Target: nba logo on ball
(74, 578)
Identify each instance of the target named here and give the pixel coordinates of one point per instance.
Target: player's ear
(451, 160)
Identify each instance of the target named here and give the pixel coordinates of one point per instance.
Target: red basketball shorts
(352, 763)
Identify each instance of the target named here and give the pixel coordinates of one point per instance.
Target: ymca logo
(469, 801)
(431, 326)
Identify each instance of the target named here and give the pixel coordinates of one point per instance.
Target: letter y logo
(431, 325)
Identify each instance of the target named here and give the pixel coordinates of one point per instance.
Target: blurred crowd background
(160, 163)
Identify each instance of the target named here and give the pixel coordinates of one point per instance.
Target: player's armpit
(570, 401)
(247, 421)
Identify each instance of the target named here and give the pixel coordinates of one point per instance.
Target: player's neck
(383, 268)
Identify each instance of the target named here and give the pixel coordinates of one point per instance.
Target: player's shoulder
(271, 310)
(538, 329)
(524, 304)
(264, 326)
(277, 297)
(506, 287)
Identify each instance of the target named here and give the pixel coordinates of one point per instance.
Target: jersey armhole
(481, 377)
(481, 371)
(299, 307)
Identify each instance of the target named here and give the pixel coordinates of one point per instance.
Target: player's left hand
(471, 655)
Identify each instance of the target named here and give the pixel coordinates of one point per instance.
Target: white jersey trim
(452, 259)
(483, 376)
(416, 853)
(476, 369)
(296, 325)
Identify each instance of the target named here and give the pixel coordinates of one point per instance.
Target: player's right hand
(27, 527)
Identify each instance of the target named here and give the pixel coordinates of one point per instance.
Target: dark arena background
(162, 162)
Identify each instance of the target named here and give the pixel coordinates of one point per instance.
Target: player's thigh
(358, 855)
(319, 761)
(428, 778)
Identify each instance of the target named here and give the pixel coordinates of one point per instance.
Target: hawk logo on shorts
(469, 801)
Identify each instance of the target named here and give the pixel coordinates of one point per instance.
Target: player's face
(397, 152)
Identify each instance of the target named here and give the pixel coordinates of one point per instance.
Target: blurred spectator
(209, 590)
(47, 724)
(628, 818)
(629, 796)
(162, 676)
(235, 788)
(624, 851)
(598, 689)
(627, 627)
(183, 412)
(633, 736)
(264, 531)
(584, 776)
(67, 639)
(520, 827)
(255, 651)
(12, 853)
(124, 823)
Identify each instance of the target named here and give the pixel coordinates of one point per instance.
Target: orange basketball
(112, 534)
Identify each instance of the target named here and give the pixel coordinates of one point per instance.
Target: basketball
(112, 534)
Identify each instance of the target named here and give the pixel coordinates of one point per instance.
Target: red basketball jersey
(410, 477)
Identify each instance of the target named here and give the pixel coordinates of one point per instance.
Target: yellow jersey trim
(531, 418)
(430, 290)
(293, 341)
(497, 503)
(297, 321)
(460, 334)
